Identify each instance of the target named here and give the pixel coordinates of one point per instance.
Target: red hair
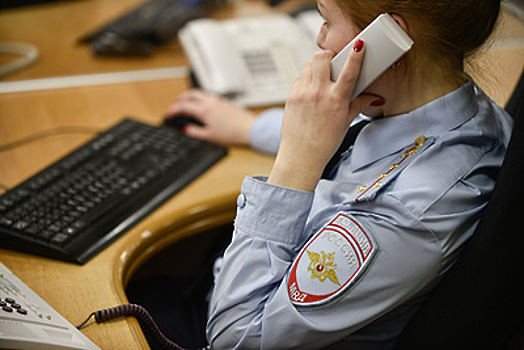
(445, 31)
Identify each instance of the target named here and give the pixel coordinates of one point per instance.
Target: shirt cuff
(273, 213)
(265, 132)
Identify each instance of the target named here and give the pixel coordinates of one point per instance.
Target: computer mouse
(178, 122)
(112, 44)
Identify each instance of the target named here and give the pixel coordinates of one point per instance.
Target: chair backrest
(480, 302)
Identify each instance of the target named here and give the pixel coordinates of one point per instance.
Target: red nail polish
(358, 45)
(377, 103)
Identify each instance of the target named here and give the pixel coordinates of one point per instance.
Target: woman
(341, 257)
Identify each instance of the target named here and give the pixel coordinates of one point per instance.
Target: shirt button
(241, 201)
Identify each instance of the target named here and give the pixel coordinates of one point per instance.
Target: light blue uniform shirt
(346, 266)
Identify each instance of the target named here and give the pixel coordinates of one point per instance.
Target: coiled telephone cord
(142, 315)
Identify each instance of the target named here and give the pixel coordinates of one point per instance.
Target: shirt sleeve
(251, 307)
(265, 132)
(257, 260)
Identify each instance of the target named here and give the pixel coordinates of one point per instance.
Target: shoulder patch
(330, 262)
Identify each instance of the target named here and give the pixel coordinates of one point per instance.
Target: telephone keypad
(259, 61)
(10, 305)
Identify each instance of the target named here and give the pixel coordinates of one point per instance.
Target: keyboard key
(20, 225)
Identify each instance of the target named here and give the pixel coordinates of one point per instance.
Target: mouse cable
(142, 315)
(59, 130)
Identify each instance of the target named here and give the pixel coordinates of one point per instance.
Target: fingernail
(358, 45)
(184, 129)
(377, 103)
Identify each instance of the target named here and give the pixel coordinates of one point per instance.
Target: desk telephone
(28, 322)
(255, 61)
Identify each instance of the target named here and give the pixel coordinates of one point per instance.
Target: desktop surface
(56, 27)
(100, 282)
(72, 290)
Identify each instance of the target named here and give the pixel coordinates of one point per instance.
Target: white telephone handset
(385, 42)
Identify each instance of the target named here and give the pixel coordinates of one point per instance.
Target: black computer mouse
(178, 122)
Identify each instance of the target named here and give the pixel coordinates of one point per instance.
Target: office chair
(479, 304)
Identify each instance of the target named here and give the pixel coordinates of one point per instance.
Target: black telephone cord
(142, 315)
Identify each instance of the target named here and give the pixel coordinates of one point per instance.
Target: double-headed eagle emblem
(322, 266)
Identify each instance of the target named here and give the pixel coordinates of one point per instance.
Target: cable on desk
(60, 130)
(29, 52)
(142, 315)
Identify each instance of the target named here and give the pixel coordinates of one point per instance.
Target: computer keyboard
(77, 206)
(152, 22)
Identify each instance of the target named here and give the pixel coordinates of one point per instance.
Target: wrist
(244, 130)
(294, 174)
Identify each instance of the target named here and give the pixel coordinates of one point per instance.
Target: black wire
(86, 320)
(142, 315)
(59, 130)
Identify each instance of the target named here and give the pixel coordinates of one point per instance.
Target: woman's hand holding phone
(317, 116)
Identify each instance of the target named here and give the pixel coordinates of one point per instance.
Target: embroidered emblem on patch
(330, 262)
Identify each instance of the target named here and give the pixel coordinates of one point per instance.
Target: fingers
(196, 131)
(193, 94)
(305, 77)
(185, 108)
(190, 103)
(321, 66)
(351, 70)
(190, 96)
(318, 70)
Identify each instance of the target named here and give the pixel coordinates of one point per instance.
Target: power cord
(142, 315)
(46, 133)
(42, 134)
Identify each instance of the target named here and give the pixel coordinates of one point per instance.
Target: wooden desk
(55, 28)
(75, 291)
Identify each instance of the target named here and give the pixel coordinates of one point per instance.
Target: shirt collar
(386, 136)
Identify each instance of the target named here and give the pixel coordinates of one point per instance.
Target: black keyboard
(155, 22)
(77, 206)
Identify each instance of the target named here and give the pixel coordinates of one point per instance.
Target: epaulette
(369, 189)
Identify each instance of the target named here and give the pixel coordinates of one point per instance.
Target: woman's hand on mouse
(224, 122)
(317, 116)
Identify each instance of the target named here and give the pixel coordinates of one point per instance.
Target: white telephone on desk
(256, 60)
(28, 322)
